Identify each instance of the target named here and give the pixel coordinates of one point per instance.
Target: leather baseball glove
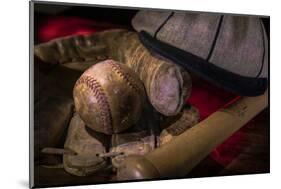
(167, 86)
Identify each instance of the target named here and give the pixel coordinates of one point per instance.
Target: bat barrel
(183, 153)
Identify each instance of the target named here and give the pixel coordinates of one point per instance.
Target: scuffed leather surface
(109, 97)
(53, 106)
(86, 144)
(141, 139)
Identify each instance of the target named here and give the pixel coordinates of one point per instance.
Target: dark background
(117, 15)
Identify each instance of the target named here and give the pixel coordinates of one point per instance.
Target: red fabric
(207, 98)
(59, 26)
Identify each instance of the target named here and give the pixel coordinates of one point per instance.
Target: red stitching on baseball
(102, 102)
(130, 81)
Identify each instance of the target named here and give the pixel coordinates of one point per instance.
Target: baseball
(109, 97)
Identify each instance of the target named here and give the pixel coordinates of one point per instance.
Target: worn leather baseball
(109, 97)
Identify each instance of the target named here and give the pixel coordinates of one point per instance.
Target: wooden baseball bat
(182, 154)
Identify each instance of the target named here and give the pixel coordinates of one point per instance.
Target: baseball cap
(230, 51)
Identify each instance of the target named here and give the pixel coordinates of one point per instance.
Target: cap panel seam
(161, 26)
(215, 38)
(263, 44)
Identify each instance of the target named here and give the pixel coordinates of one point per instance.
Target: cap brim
(240, 85)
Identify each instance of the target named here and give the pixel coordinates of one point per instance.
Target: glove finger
(71, 49)
(167, 84)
